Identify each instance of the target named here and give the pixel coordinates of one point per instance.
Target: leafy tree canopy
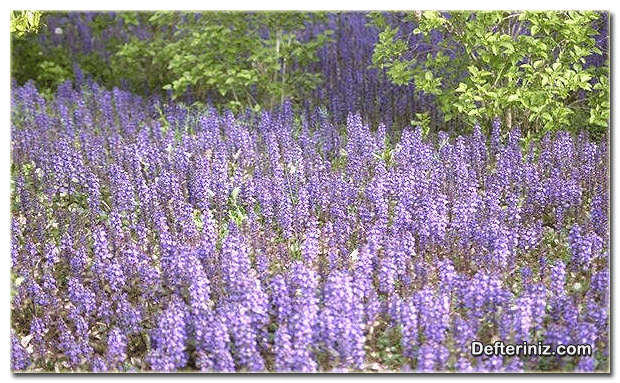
(25, 22)
(527, 68)
(247, 60)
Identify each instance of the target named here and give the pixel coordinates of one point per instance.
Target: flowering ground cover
(148, 237)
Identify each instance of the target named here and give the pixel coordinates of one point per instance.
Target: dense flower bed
(146, 237)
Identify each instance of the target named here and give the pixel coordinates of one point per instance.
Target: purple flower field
(149, 237)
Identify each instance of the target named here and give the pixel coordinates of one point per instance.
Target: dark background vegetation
(380, 64)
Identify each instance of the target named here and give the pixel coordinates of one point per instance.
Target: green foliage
(23, 22)
(528, 68)
(423, 120)
(236, 212)
(384, 345)
(242, 60)
(231, 59)
(29, 62)
(387, 155)
(51, 73)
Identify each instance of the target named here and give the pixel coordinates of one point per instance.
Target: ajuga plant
(148, 238)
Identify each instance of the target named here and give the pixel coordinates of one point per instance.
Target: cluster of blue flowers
(206, 242)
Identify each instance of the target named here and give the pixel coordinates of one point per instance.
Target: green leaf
(462, 87)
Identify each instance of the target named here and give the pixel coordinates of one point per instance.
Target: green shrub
(527, 68)
(240, 60)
